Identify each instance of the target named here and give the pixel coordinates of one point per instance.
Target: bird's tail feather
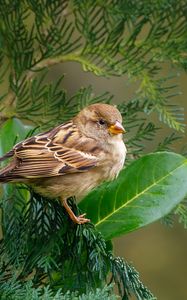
(5, 173)
(4, 179)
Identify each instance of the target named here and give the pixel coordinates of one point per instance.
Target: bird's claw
(81, 219)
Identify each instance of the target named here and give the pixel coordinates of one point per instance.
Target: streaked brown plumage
(72, 158)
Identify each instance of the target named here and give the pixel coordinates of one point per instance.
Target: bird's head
(100, 121)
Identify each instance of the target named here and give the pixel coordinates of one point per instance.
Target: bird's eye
(102, 122)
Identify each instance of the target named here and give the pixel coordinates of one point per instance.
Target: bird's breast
(115, 160)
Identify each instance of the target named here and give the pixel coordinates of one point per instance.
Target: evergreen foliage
(40, 242)
(12, 290)
(40, 246)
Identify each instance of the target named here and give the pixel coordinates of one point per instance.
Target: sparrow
(72, 158)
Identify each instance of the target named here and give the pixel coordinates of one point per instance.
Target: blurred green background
(157, 251)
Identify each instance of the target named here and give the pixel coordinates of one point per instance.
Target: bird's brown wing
(49, 154)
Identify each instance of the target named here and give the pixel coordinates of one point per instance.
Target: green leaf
(144, 192)
(12, 131)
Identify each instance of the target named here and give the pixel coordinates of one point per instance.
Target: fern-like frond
(157, 94)
(172, 115)
(13, 289)
(181, 212)
(136, 143)
(167, 142)
(59, 253)
(18, 38)
(46, 104)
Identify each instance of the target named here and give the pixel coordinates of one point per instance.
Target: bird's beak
(116, 128)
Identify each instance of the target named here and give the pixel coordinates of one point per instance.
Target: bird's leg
(78, 220)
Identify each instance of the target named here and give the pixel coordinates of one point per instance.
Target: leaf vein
(139, 194)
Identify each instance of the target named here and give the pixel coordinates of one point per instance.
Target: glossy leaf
(145, 191)
(12, 131)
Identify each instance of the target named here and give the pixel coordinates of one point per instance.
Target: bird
(72, 158)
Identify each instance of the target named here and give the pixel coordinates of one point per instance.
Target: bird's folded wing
(40, 157)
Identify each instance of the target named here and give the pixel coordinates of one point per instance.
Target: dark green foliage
(167, 142)
(42, 243)
(180, 212)
(104, 36)
(14, 290)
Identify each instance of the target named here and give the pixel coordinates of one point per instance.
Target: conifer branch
(41, 249)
